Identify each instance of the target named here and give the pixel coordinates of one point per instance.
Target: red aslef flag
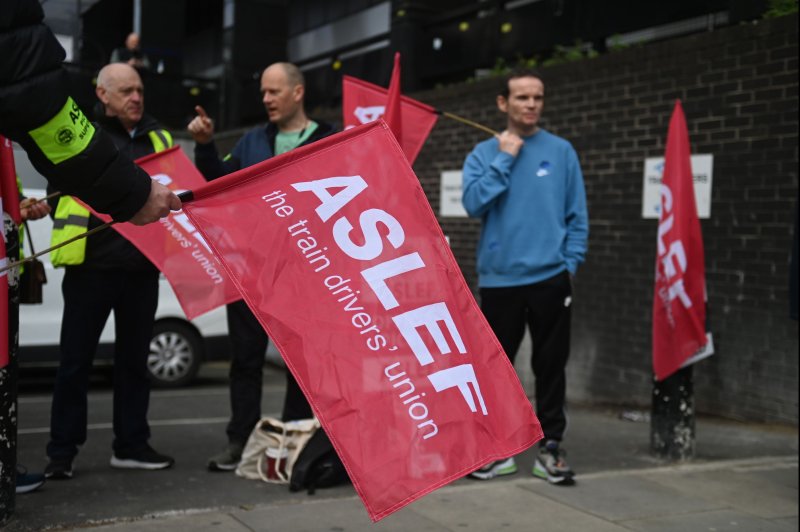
(363, 102)
(679, 312)
(173, 244)
(9, 205)
(336, 250)
(393, 115)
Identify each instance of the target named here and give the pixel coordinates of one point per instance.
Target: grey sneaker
(495, 469)
(551, 466)
(227, 460)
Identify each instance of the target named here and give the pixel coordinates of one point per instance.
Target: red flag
(393, 115)
(679, 313)
(338, 254)
(174, 245)
(9, 205)
(363, 102)
(8, 180)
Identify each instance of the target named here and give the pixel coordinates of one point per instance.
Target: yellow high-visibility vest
(72, 219)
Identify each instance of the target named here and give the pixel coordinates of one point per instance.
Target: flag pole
(467, 122)
(97, 229)
(186, 195)
(49, 196)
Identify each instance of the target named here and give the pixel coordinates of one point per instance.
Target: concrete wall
(739, 91)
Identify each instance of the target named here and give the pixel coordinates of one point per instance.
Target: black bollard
(672, 427)
(8, 387)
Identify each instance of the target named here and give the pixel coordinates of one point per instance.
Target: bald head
(132, 41)
(114, 73)
(283, 90)
(120, 89)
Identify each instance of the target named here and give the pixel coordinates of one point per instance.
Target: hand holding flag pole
(183, 196)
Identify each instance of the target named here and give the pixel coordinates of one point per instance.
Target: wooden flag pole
(14, 264)
(186, 195)
(467, 122)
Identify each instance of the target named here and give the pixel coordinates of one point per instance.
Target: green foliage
(615, 43)
(779, 8)
(569, 54)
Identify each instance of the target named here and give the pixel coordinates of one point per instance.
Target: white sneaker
(495, 469)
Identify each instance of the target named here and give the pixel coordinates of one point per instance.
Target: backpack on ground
(317, 466)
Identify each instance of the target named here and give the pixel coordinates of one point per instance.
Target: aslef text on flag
(174, 245)
(679, 312)
(336, 250)
(363, 102)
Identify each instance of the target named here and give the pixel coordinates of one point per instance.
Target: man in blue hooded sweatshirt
(527, 187)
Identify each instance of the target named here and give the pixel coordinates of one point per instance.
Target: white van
(178, 346)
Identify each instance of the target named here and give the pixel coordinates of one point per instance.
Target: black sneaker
(227, 459)
(58, 469)
(28, 482)
(144, 458)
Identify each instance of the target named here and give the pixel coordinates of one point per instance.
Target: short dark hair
(516, 73)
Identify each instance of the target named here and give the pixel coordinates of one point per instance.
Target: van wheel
(175, 354)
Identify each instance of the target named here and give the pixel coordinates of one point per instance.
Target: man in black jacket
(105, 272)
(283, 92)
(37, 111)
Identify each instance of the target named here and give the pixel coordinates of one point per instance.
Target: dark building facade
(738, 85)
(217, 48)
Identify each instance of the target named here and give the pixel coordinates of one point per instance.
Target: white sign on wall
(702, 170)
(450, 195)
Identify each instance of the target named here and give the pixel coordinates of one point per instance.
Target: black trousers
(249, 344)
(546, 309)
(89, 298)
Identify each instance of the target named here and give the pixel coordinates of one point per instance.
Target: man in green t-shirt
(283, 93)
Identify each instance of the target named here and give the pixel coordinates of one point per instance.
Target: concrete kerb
(522, 481)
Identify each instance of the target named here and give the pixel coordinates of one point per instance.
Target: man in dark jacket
(283, 91)
(37, 111)
(105, 272)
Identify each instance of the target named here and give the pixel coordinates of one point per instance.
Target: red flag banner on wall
(679, 313)
(173, 243)
(336, 250)
(363, 102)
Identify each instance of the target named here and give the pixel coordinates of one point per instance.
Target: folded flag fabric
(173, 244)
(679, 310)
(363, 102)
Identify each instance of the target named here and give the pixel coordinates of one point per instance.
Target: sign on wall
(450, 195)
(702, 171)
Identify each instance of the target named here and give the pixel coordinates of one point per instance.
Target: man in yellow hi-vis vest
(105, 272)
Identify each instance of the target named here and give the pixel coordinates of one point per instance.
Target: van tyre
(175, 354)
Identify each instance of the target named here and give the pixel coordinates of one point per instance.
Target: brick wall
(739, 91)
